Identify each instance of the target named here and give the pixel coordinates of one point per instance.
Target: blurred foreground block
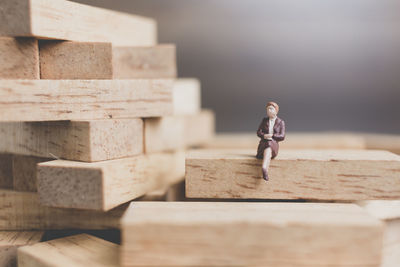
(249, 234)
(389, 212)
(294, 174)
(22, 211)
(79, 250)
(10, 241)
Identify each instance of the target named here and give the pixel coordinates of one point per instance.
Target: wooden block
(78, 250)
(66, 20)
(75, 60)
(153, 62)
(51, 100)
(22, 211)
(389, 142)
(382, 209)
(87, 60)
(186, 96)
(249, 234)
(178, 132)
(294, 174)
(24, 172)
(92, 140)
(19, 58)
(320, 140)
(6, 171)
(10, 241)
(199, 129)
(389, 212)
(106, 184)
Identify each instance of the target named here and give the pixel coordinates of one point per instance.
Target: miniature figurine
(271, 131)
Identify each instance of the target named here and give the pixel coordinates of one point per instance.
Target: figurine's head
(272, 109)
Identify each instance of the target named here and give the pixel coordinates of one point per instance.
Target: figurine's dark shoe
(265, 174)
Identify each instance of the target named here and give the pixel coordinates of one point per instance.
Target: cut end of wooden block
(19, 58)
(294, 174)
(78, 250)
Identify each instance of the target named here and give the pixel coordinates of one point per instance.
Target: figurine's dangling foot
(265, 174)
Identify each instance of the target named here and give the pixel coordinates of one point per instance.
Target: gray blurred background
(331, 64)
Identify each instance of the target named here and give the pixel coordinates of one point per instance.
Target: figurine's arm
(260, 132)
(281, 135)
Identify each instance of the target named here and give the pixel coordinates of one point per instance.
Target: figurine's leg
(266, 161)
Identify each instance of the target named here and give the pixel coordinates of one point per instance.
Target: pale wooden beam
(294, 174)
(87, 60)
(106, 184)
(10, 241)
(79, 250)
(50, 100)
(186, 96)
(249, 234)
(91, 140)
(19, 58)
(22, 211)
(178, 132)
(66, 20)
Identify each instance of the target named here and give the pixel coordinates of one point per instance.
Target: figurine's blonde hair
(275, 105)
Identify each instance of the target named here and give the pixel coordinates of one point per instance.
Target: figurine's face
(271, 111)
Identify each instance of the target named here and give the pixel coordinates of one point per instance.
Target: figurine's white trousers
(267, 158)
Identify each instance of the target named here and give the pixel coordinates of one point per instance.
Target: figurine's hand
(267, 136)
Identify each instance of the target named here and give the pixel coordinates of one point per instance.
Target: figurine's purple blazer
(278, 135)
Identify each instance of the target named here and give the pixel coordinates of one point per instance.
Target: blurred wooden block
(320, 140)
(106, 184)
(153, 62)
(389, 142)
(78, 250)
(389, 212)
(87, 60)
(66, 20)
(22, 211)
(200, 128)
(62, 60)
(19, 58)
(10, 241)
(294, 174)
(91, 140)
(249, 234)
(186, 96)
(178, 132)
(24, 172)
(174, 192)
(6, 171)
(52, 100)
(293, 140)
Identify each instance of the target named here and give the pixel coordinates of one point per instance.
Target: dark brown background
(331, 64)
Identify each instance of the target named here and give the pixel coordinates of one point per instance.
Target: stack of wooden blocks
(93, 117)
